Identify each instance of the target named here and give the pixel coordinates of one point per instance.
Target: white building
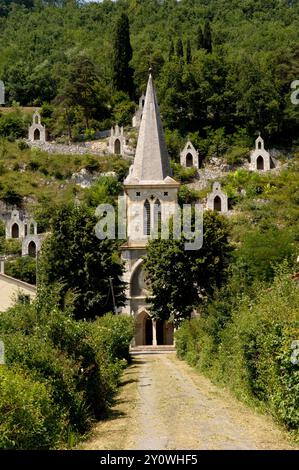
(37, 132)
(260, 158)
(189, 156)
(217, 200)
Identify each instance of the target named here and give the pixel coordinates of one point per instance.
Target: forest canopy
(219, 66)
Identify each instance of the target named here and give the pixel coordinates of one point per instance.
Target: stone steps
(160, 349)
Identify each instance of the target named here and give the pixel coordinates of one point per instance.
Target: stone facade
(18, 226)
(37, 132)
(117, 141)
(260, 159)
(217, 200)
(31, 245)
(189, 157)
(136, 121)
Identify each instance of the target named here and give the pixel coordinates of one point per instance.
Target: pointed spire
(151, 159)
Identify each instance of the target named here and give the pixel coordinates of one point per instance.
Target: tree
(207, 37)
(75, 258)
(181, 279)
(122, 55)
(188, 52)
(199, 38)
(179, 48)
(81, 88)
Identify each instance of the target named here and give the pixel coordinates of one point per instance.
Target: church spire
(151, 161)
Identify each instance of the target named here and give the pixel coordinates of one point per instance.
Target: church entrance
(148, 331)
(189, 160)
(36, 135)
(151, 332)
(260, 163)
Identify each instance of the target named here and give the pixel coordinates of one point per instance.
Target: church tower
(151, 199)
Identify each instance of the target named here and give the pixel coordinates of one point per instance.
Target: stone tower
(151, 198)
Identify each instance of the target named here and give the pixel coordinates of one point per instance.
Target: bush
(29, 419)
(12, 247)
(236, 155)
(182, 174)
(13, 126)
(23, 268)
(251, 351)
(79, 362)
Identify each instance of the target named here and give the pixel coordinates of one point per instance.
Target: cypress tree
(171, 50)
(207, 37)
(122, 54)
(188, 52)
(199, 38)
(179, 48)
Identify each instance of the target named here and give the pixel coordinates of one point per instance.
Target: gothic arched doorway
(36, 135)
(117, 147)
(32, 249)
(189, 160)
(217, 204)
(148, 331)
(15, 231)
(260, 163)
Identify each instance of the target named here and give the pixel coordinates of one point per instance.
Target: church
(151, 197)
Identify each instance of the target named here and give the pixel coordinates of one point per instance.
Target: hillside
(237, 85)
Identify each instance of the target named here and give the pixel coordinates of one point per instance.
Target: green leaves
(74, 256)
(179, 278)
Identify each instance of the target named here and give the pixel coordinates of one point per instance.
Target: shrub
(182, 174)
(33, 165)
(251, 351)
(12, 125)
(23, 268)
(12, 247)
(29, 418)
(11, 196)
(79, 362)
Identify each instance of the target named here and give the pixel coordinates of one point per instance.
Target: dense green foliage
(60, 374)
(217, 65)
(246, 345)
(180, 279)
(73, 256)
(23, 268)
(122, 55)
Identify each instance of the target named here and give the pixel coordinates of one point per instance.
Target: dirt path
(165, 404)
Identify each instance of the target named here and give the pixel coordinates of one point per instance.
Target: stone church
(151, 198)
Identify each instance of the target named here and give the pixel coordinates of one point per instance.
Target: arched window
(15, 231)
(260, 163)
(189, 160)
(117, 147)
(147, 218)
(31, 229)
(36, 135)
(259, 145)
(157, 217)
(36, 119)
(217, 204)
(32, 249)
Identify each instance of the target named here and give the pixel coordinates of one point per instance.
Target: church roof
(151, 163)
